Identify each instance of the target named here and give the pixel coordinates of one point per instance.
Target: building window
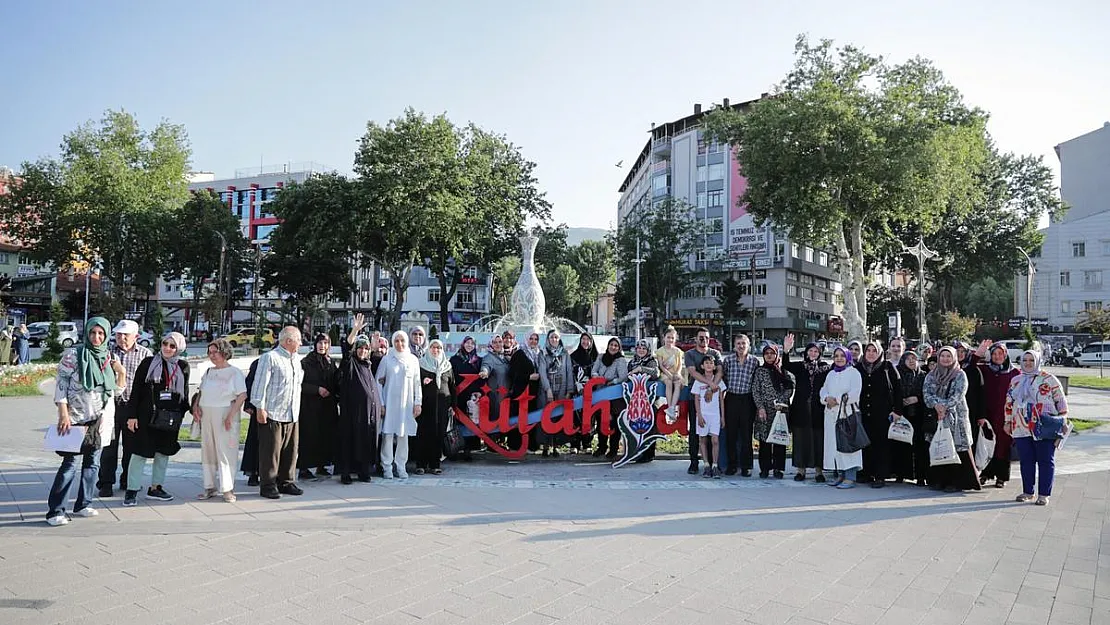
(780, 251)
(701, 173)
(4, 258)
(715, 198)
(1065, 278)
(1092, 306)
(716, 290)
(717, 171)
(820, 296)
(715, 225)
(383, 296)
(808, 254)
(262, 233)
(761, 288)
(464, 297)
(795, 251)
(792, 275)
(659, 183)
(25, 259)
(693, 292)
(837, 287)
(821, 282)
(1106, 248)
(433, 296)
(806, 279)
(807, 293)
(1079, 249)
(823, 259)
(1092, 278)
(1065, 306)
(792, 290)
(701, 200)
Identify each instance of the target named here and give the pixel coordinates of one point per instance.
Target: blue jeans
(61, 491)
(1036, 455)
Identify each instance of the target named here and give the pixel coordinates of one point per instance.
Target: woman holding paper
(88, 377)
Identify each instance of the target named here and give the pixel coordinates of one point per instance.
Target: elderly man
(130, 353)
(276, 395)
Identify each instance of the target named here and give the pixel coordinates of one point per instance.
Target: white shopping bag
(984, 447)
(900, 430)
(780, 432)
(943, 450)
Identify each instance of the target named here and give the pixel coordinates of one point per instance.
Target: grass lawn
(1080, 425)
(183, 433)
(1089, 381)
(23, 381)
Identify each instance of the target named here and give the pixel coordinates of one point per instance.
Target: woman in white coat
(843, 379)
(399, 375)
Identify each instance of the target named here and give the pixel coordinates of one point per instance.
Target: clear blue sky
(575, 83)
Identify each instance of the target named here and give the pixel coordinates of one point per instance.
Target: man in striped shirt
(130, 353)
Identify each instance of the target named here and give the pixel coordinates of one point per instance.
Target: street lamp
(1030, 270)
(222, 279)
(922, 254)
(638, 260)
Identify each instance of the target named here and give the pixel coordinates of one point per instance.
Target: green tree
(53, 350)
(956, 326)
(882, 300)
(986, 297)
(667, 235)
(594, 263)
(309, 256)
(731, 301)
(107, 197)
(506, 271)
(849, 147)
(552, 249)
(561, 290)
(195, 250)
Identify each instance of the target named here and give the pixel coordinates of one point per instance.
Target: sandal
(437, 471)
(207, 494)
(229, 497)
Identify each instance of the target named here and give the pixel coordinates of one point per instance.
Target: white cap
(126, 327)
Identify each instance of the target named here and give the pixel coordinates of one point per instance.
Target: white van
(1016, 347)
(1094, 354)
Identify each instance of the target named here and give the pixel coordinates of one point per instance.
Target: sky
(575, 84)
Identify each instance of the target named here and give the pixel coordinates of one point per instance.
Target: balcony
(476, 306)
(661, 146)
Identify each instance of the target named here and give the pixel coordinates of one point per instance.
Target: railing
(284, 168)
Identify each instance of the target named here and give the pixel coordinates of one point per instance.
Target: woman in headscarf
(880, 403)
(1033, 395)
(644, 362)
(495, 372)
(319, 410)
(418, 341)
(975, 381)
(22, 344)
(88, 378)
(583, 358)
(524, 377)
(613, 366)
(557, 382)
(998, 372)
(360, 410)
(930, 363)
(856, 349)
(466, 362)
(438, 391)
(945, 391)
(402, 396)
(839, 393)
(671, 372)
(772, 391)
(807, 418)
(161, 383)
(913, 462)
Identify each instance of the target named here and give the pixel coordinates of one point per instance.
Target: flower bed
(23, 380)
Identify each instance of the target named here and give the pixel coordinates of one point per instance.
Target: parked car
(1095, 354)
(1016, 347)
(628, 343)
(245, 337)
(69, 333)
(146, 338)
(690, 344)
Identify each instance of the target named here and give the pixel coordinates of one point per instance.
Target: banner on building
(747, 239)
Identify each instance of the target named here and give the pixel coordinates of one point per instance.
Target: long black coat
(914, 461)
(521, 369)
(806, 410)
(360, 402)
(144, 397)
(249, 463)
(881, 395)
(976, 398)
(318, 414)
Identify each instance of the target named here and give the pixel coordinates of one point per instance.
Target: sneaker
(252, 480)
(130, 498)
(58, 519)
(419, 471)
(820, 479)
(845, 485)
(270, 492)
(105, 492)
(799, 477)
(745, 472)
(716, 474)
(779, 475)
(158, 493)
(345, 479)
(1042, 500)
(1022, 498)
(290, 489)
(305, 475)
(707, 472)
(323, 472)
(693, 470)
(86, 512)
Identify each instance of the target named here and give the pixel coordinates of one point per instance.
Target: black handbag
(91, 442)
(453, 443)
(850, 434)
(167, 420)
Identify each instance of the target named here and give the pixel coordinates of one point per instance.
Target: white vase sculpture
(528, 303)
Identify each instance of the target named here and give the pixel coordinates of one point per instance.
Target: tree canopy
(849, 147)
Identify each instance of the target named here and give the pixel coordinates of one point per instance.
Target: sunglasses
(169, 344)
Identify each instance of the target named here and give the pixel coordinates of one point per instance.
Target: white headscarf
(1029, 382)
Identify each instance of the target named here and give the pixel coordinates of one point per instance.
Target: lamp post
(638, 260)
(922, 254)
(1030, 270)
(222, 278)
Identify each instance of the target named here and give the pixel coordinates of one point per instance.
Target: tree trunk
(849, 269)
(399, 275)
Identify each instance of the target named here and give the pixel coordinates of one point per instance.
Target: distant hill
(578, 235)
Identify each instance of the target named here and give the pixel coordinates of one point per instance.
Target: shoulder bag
(850, 435)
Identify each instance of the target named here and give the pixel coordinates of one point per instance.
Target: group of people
(358, 415)
(970, 393)
(15, 345)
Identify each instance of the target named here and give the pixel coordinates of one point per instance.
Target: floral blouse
(1050, 400)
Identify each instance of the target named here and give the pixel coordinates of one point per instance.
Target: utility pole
(1030, 270)
(922, 254)
(220, 280)
(751, 268)
(638, 260)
